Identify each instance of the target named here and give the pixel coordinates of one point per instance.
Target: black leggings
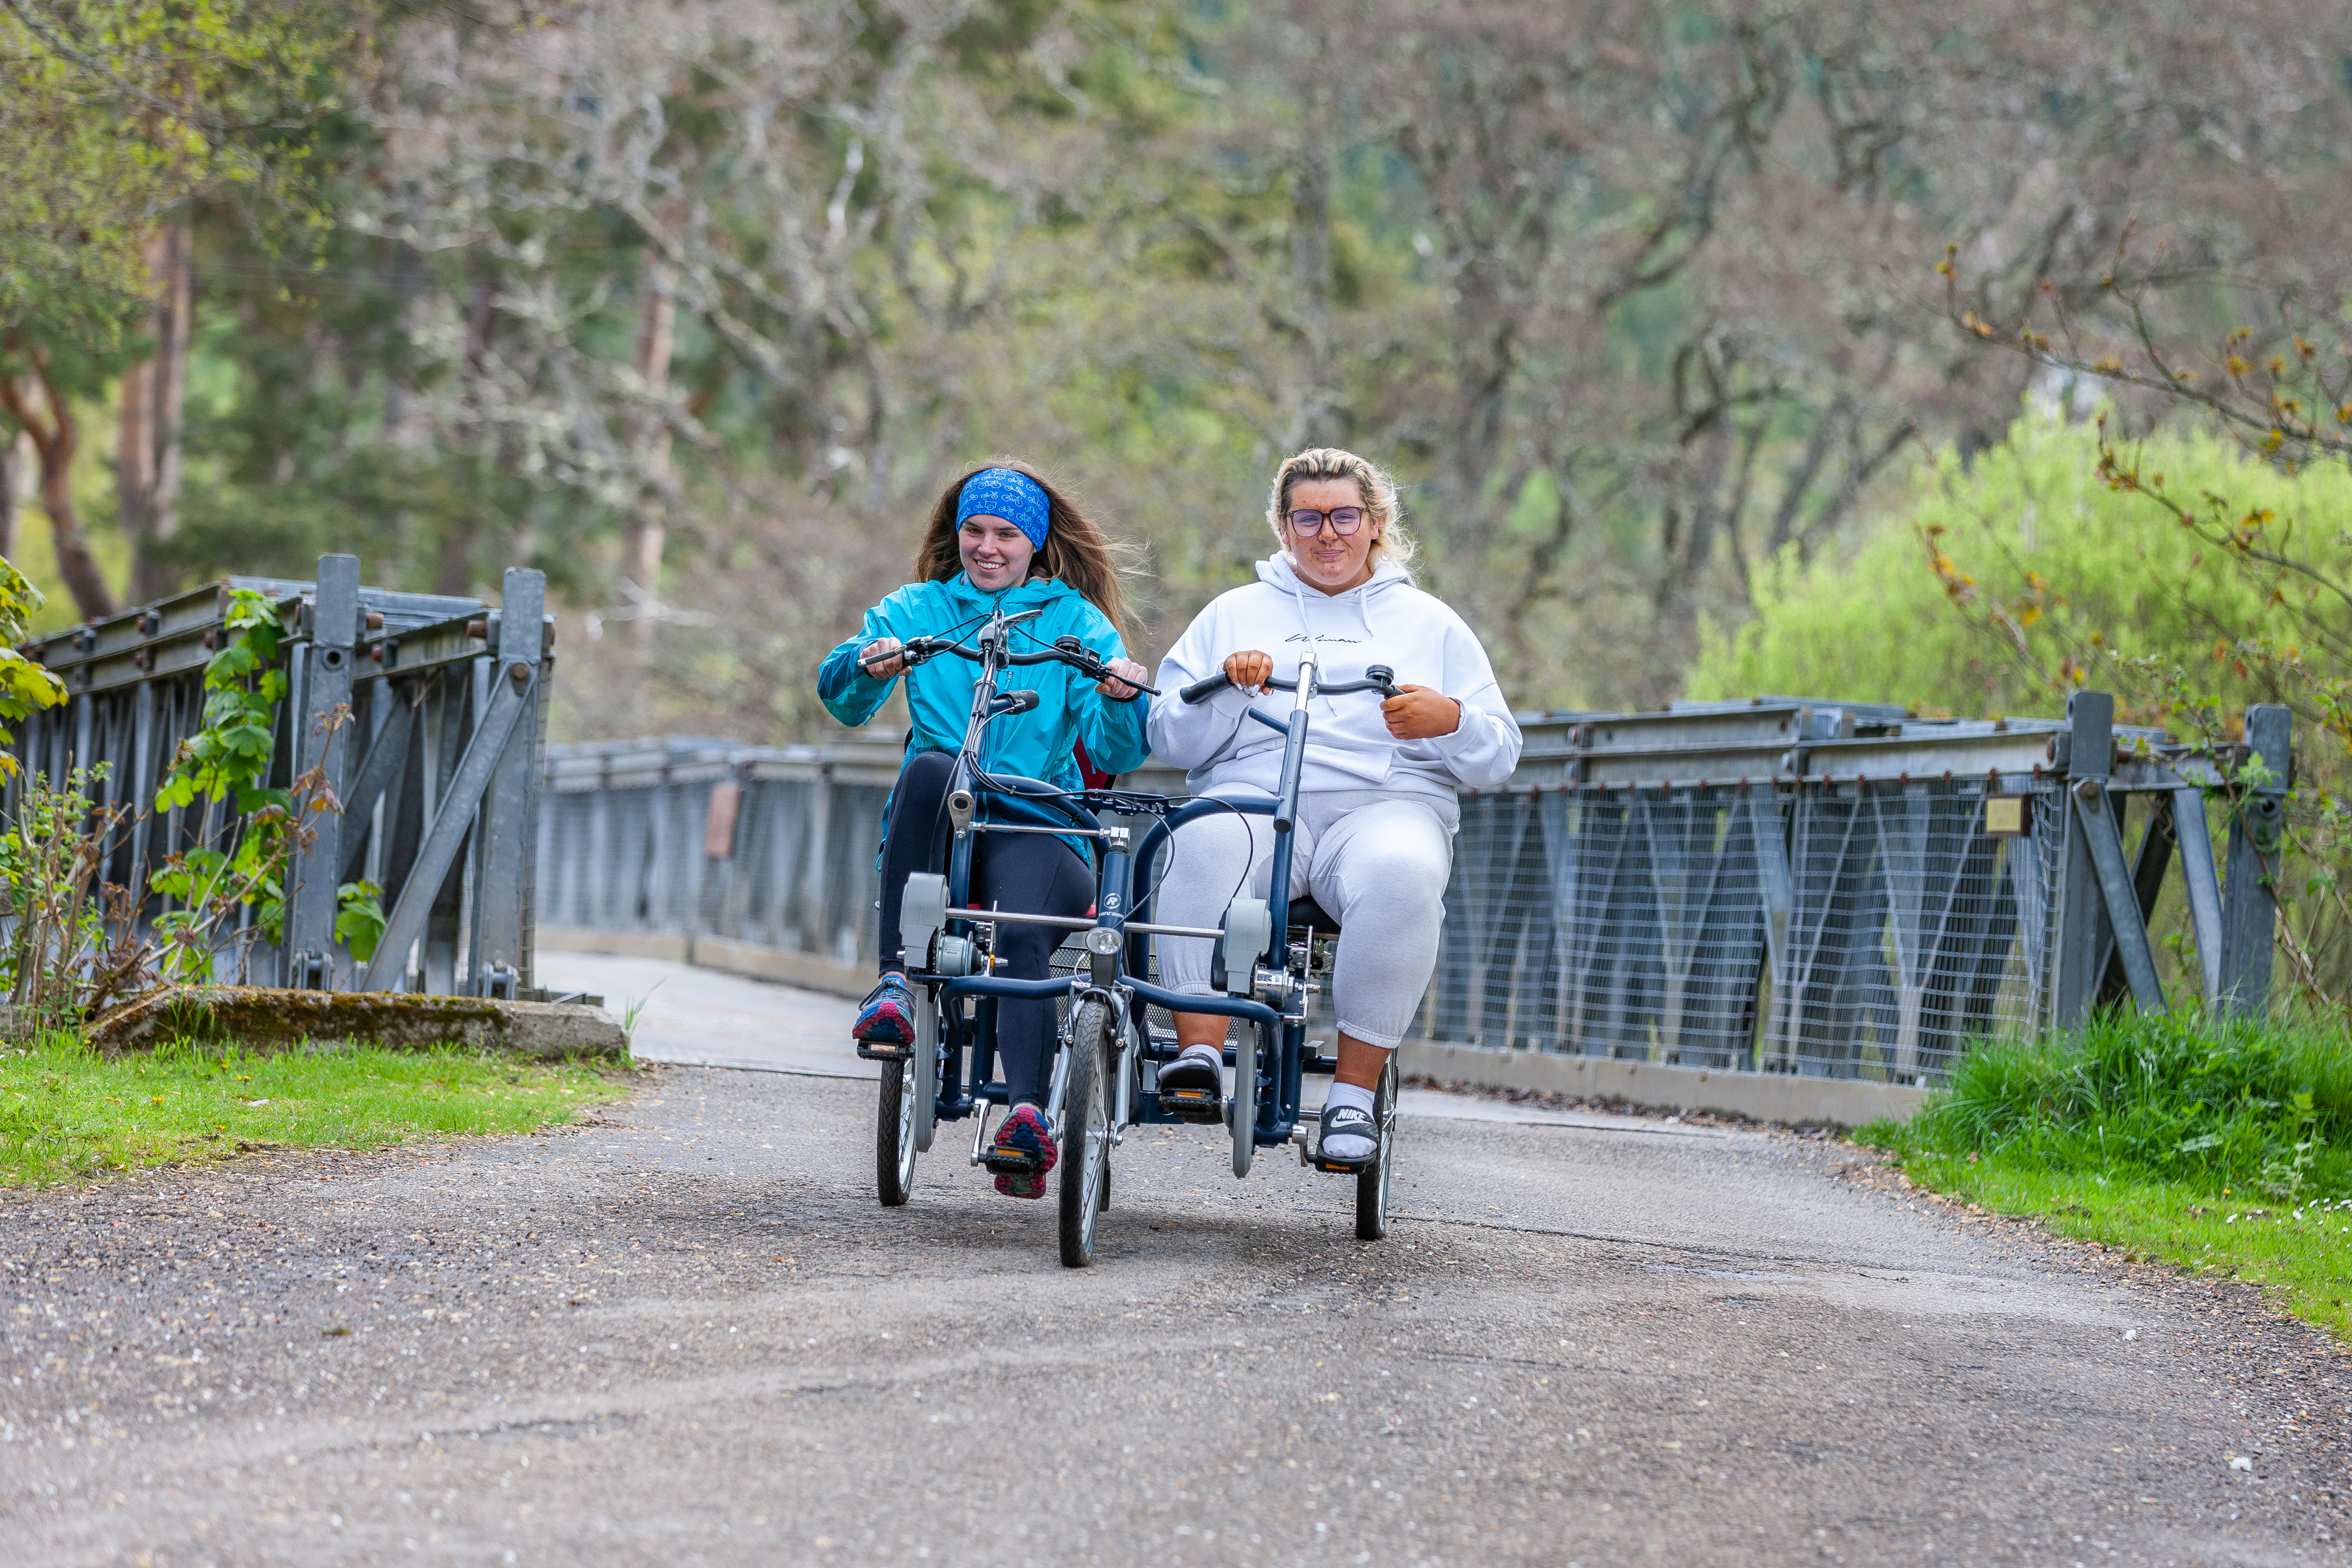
(1028, 872)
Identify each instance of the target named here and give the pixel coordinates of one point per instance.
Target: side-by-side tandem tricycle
(1106, 1070)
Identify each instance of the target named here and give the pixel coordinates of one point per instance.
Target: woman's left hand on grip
(1119, 690)
(1420, 713)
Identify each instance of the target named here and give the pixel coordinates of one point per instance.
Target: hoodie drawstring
(1363, 617)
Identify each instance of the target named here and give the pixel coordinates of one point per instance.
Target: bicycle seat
(1305, 912)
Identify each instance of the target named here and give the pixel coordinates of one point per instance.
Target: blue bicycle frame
(1117, 961)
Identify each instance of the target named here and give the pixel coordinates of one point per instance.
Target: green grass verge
(2217, 1146)
(66, 1113)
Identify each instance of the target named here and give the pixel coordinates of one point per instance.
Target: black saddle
(1306, 912)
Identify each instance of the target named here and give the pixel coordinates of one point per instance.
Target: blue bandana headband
(1008, 494)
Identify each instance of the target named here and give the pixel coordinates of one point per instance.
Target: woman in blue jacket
(1000, 537)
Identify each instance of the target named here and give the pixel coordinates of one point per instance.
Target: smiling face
(1328, 561)
(995, 553)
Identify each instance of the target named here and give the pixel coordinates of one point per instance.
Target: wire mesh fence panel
(1499, 929)
(1654, 922)
(1912, 930)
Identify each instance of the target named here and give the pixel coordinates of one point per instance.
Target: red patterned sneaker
(885, 1029)
(1024, 1152)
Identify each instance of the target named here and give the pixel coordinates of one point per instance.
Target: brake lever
(920, 651)
(1089, 665)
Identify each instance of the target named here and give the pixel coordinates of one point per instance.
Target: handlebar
(1377, 678)
(1067, 651)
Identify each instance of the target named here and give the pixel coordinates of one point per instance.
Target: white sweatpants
(1376, 860)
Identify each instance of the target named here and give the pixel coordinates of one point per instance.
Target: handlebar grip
(1380, 675)
(914, 651)
(1201, 691)
(1020, 701)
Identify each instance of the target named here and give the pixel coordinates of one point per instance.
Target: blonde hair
(1389, 543)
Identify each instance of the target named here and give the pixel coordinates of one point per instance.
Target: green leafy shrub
(72, 946)
(2214, 1104)
(1998, 587)
(25, 686)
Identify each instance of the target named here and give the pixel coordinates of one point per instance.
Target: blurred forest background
(1721, 347)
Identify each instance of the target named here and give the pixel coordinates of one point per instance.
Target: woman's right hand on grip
(882, 658)
(1250, 671)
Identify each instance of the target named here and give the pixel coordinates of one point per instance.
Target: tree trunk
(50, 425)
(1322, 418)
(147, 436)
(642, 529)
(452, 563)
(12, 457)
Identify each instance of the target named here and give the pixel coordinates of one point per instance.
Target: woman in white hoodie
(1377, 812)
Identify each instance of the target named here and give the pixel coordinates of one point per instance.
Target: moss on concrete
(263, 1019)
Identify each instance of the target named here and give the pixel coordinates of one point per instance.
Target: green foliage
(25, 686)
(202, 879)
(2303, 1251)
(2026, 574)
(68, 1113)
(359, 918)
(229, 759)
(69, 948)
(2212, 1146)
(230, 756)
(2218, 1106)
(118, 111)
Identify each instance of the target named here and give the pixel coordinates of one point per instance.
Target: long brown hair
(1075, 550)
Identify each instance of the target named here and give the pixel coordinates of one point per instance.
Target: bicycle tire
(927, 1067)
(893, 1134)
(1085, 1141)
(1372, 1181)
(1241, 1106)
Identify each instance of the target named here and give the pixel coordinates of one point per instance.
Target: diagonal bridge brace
(512, 694)
(2119, 893)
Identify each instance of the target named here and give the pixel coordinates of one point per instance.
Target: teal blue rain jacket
(1039, 743)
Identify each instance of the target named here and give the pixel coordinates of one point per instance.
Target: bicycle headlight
(1102, 941)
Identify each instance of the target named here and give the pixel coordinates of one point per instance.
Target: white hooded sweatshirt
(1386, 621)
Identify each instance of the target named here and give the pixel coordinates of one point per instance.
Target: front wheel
(926, 1084)
(1085, 1141)
(894, 1133)
(1372, 1181)
(1241, 1106)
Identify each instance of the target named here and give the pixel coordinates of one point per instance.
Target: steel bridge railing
(438, 768)
(1779, 884)
(773, 845)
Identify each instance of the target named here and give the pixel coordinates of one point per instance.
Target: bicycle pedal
(1193, 1105)
(1011, 1162)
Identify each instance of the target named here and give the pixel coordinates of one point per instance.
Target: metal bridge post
(2249, 901)
(499, 962)
(2083, 929)
(510, 705)
(326, 657)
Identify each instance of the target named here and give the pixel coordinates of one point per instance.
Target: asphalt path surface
(684, 1333)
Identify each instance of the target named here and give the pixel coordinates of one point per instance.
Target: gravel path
(688, 1335)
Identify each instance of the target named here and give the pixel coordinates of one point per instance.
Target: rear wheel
(1372, 1181)
(1086, 1139)
(894, 1133)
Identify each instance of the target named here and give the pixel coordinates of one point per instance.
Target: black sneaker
(1194, 1085)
